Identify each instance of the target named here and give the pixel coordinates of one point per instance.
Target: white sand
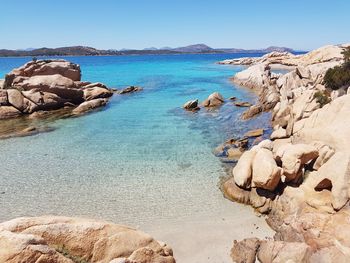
(209, 240)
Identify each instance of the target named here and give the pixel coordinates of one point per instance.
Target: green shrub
(322, 98)
(339, 76)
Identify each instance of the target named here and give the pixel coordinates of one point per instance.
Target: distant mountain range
(89, 51)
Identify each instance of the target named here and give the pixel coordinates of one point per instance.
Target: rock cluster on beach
(300, 177)
(69, 240)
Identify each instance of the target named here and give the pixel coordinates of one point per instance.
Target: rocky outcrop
(309, 156)
(279, 92)
(69, 240)
(46, 85)
(43, 89)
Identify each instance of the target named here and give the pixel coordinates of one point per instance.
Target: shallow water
(142, 160)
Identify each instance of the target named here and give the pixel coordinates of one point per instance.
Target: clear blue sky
(300, 24)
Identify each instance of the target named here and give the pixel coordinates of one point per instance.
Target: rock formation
(301, 177)
(70, 240)
(45, 85)
(215, 99)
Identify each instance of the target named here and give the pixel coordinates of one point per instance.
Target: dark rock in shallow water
(191, 105)
(130, 89)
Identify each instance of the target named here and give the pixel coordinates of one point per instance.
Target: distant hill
(89, 51)
(198, 48)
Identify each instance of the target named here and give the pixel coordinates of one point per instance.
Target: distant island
(89, 51)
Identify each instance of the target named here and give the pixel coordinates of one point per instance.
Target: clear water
(142, 159)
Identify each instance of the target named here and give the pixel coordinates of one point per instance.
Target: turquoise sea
(141, 160)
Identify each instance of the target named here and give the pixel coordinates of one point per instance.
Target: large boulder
(39, 239)
(242, 172)
(254, 77)
(96, 91)
(266, 173)
(293, 157)
(330, 124)
(45, 67)
(44, 100)
(3, 97)
(245, 251)
(235, 193)
(334, 176)
(282, 252)
(57, 84)
(215, 99)
(21, 103)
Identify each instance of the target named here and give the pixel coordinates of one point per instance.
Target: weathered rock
(305, 105)
(251, 112)
(8, 112)
(235, 193)
(266, 173)
(242, 172)
(324, 154)
(282, 252)
(254, 133)
(242, 104)
(234, 153)
(92, 92)
(293, 157)
(280, 133)
(334, 175)
(3, 98)
(17, 100)
(215, 99)
(261, 200)
(57, 84)
(28, 239)
(89, 105)
(45, 67)
(44, 100)
(245, 251)
(330, 125)
(253, 77)
(16, 247)
(191, 105)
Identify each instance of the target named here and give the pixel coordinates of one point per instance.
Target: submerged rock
(89, 105)
(130, 89)
(243, 104)
(254, 133)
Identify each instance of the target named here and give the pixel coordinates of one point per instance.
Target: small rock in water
(233, 98)
(243, 104)
(130, 89)
(254, 133)
(191, 105)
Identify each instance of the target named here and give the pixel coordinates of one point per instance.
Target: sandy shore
(209, 240)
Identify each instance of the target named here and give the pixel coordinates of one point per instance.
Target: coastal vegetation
(339, 76)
